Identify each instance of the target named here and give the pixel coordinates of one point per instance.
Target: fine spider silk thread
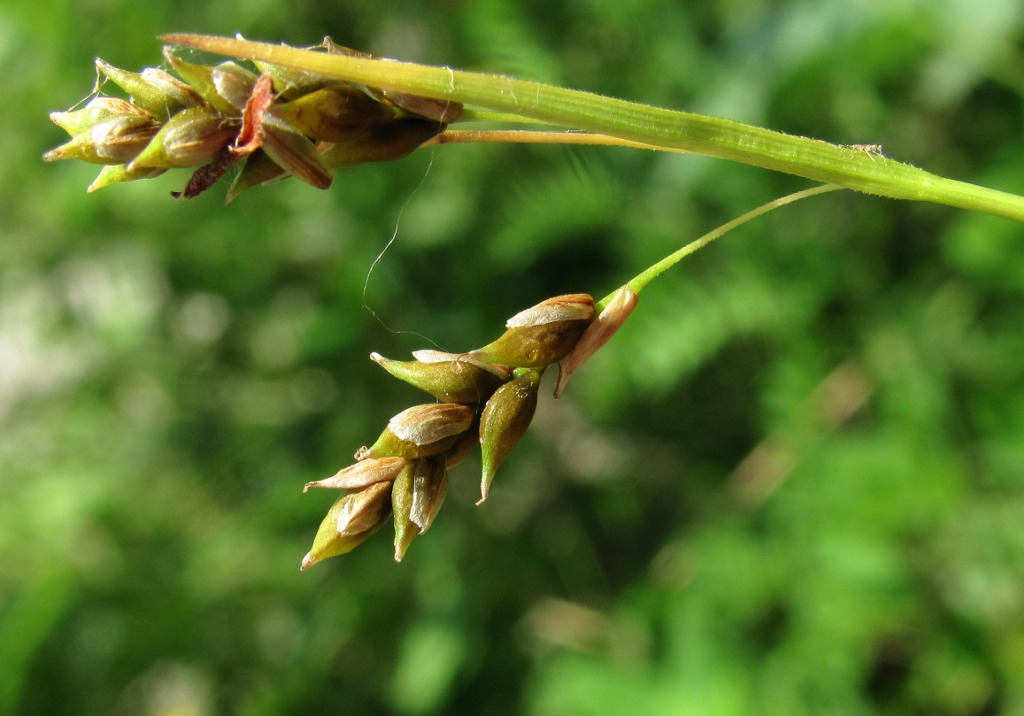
(387, 247)
(394, 237)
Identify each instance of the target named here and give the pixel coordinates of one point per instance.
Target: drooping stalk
(637, 283)
(857, 168)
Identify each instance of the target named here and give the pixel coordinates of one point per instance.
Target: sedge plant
(271, 112)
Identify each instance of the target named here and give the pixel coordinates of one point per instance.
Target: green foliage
(792, 483)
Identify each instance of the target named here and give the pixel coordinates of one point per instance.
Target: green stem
(854, 168)
(638, 282)
(471, 114)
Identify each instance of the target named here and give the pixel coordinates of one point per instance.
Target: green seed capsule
(421, 431)
(351, 519)
(385, 143)
(97, 110)
(153, 90)
(435, 110)
(340, 113)
(115, 140)
(290, 83)
(200, 78)
(294, 153)
(504, 421)
(257, 169)
(401, 506)
(191, 138)
(116, 173)
(451, 378)
(540, 335)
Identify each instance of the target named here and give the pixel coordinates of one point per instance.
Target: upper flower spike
(277, 122)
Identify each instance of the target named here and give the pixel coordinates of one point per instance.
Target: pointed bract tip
(485, 490)
(599, 332)
(308, 561)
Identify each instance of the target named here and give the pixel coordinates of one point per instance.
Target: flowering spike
(503, 422)
(300, 123)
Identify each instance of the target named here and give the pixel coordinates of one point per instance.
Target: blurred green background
(793, 484)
